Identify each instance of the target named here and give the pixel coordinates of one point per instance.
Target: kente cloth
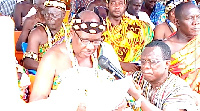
(23, 82)
(128, 38)
(174, 93)
(157, 15)
(186, 63)
(58, 38)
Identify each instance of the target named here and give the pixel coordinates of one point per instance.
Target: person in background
(76, 5)
(21, 12)
(155, 10)
(44, 36)
(185, 45)
(95, 3)
(127, 36)
(30, 22)
(64, 67)
(161, 89)
(7, 7)
(134, 12)
(167, 28)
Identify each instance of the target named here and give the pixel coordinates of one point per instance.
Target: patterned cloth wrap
(129, 38)
(23, 82)
(174, 93)
(57, 39)
(186, 63)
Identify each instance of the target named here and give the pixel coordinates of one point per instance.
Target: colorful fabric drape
(157, 15)
(129, 38)
(23, 82)
(186, 63)
(57, 39)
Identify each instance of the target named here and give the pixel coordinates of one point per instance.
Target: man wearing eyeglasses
(161, 90)
(44, 36)
(72, 69)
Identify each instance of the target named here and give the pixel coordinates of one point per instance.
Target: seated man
(185, 45)
(127, 36)
(162, 89)
(44, 36)
(134, 12)
(76, 59)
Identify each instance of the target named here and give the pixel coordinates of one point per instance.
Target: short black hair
(165, 49)
(108, 1)
(179, 9)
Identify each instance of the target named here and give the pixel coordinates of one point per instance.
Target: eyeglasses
(86, 41)
(152, 62)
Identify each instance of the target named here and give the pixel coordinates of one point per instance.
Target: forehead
(117, 1)
(151, 0)
(152, 53)
(52, 10)
(137, 1)
(190, 11)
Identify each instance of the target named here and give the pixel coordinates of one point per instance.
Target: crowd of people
(153, 44)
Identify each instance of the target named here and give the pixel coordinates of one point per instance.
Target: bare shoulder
(57, 57)
(159, 31)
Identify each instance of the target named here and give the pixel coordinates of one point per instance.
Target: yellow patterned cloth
(129, 38)
(59, 37)
(186, 63)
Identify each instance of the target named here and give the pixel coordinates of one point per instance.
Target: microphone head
(103, 62)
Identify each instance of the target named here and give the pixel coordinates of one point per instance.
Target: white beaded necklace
(74, 60)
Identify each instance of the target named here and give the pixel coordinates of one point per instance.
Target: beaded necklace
(75, 61)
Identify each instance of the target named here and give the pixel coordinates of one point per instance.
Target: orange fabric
(66, 16)
(32, 79)
(18, 54)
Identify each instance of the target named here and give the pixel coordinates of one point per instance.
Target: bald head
(183, 9)
(89, 16)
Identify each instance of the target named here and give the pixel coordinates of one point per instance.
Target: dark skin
(188, 24)
(21, 10)
(148, 6)
(96, 3)
(115, 19)
(30, 22)
(38, 36)
(28, 26)
(162, 31)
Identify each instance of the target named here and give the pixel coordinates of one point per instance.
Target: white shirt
(142, 16)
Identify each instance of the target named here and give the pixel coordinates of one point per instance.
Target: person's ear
(63, 14)
(177, 22)
(168, 63)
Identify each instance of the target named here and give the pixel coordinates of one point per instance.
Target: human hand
(135, 90)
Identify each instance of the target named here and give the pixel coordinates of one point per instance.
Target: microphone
(104, 63)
